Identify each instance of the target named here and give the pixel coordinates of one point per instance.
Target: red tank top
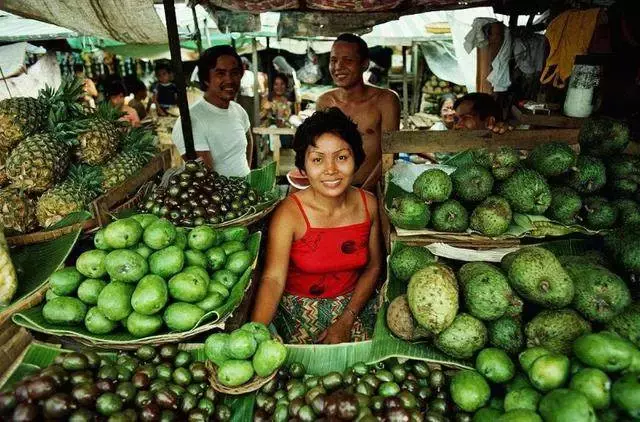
(327, 261)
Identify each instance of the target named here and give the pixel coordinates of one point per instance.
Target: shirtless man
(374, 110)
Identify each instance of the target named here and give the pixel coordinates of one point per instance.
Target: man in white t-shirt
(221, 128)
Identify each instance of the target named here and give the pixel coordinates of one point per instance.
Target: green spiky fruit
(100, 140)
(552, 159)
(589, 175)
(527, 192)
(139, 147)
(504, 163)
(565, 205)
(17, 211)
(73, 194)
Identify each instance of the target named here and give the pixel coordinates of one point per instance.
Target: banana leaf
(263, 179)
(36, 262)
(71, 219)
(32, 318)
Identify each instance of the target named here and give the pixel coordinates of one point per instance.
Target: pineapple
(71, 195)
(21, 117)
(17, 211)
(4, 179)
(99, 141)
(139, 146)
(8, 277)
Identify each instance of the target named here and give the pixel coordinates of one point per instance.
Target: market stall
(510, 290)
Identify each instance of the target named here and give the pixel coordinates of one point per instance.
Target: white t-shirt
(220, 131)
(246, 83)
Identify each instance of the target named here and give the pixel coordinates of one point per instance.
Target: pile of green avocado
(390, 391)
(146, 273)
(489, 186)
(243, 353)
(573, 309)
(162, 384)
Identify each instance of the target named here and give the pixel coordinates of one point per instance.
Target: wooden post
(415, 99)
(486, 56)
(405, 88)
(256, 85)
(197, 27)
(180, 80)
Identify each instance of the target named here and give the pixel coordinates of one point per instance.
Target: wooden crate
(13, 343)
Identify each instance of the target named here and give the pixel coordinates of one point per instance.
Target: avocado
(463, 338)
(472, 183)
(432, 294)
(537, 276)
(566, 405)
(492, 217)
(270, 355)
(600, 294)
(565, 206)
(552, 159)
(450, 216)
(64, 310)
(506, 334)
(504, 162)
(605, 350)
(239, 233)
(598, 213)
(555, 330)
(589, 175)
(627, 323)
(114, 300)
(409, 212)
(433, 185)
(603, 136)
(527, 192)
(486, 295)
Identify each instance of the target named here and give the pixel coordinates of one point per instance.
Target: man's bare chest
(365, 115)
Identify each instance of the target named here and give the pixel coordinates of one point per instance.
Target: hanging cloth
(477, 38)
(569, 35)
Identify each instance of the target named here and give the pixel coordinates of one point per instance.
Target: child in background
(139, 90)
(165, 92)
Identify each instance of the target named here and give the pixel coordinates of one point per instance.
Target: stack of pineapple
(56, 157)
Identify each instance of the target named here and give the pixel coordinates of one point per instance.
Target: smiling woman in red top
(323, 255)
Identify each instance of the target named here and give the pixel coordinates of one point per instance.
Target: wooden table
(276, 132)
(547, 120)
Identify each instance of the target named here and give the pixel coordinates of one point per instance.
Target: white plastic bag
(310, 73)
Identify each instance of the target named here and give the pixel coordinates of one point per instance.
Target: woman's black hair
(331, 120)
(209, 59)
(115, 87)
(284, 78)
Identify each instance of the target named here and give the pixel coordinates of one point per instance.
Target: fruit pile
(433, 89)
(559, 314)
(487, 188)
(150, 385)
(146, 273)
(389, 390)
(55, 157)
(246, 351)
(197, 196)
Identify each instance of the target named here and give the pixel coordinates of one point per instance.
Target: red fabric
(327, 261)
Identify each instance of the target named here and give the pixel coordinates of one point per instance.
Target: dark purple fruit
(166, 399)
(150, 413)
(105, 386)
(141, 380)
(22, 393)
(392, 403)
(25, 412)
(85, 394)
(58, 406)
(41, 388)
(8, 402)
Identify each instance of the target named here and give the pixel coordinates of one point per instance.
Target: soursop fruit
(627, 323)
(492, 217)
(472, 269)
(433, 185)
(565, 206)
(401, 322)
(598, 213)
(409, 212)
(623, 244)
(506, 333)
(603, 136)
(552, 159)
(556, 330)
(450, 216)
(600, 294)
(463, 338)
(472, 183)
(588, 176)
(406, 261)
(504, 162)
(527, 192)
(432, 294)
(537, 276)
(628, 211)
(486, 295)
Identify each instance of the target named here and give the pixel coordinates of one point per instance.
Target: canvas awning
(15, 28)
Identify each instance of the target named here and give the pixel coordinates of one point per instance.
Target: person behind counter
(324, 256)
(447, 113)
(276, 107)
(115, 93)
(221, 127)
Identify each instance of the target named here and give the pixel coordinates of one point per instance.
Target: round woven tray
(253, 384)
(44, 236)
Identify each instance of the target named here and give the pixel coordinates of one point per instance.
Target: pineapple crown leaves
(140, 141)
(108, 112)
(86, 177)
(66, 100)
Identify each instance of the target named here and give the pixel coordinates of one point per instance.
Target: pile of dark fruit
(197, 196)
(150, 385)
(387, 391)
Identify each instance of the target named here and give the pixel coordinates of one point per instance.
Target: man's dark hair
(209, 59)
(363, 49)
(78, 67)
(484, 105)
(136, 86)
(331, 120)
(115, 87)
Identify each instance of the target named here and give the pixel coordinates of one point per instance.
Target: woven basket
(253, 384)
(27, 302)
(44, 236)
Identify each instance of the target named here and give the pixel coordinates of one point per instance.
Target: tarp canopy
(16, 28)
